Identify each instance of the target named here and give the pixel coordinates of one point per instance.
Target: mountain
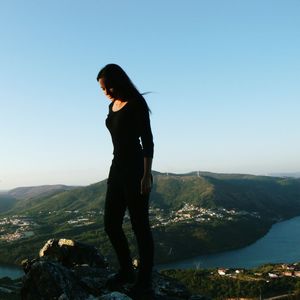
(7, 202)
(38, 191)
(63, 198)
(191, 214)
(270, 196)
(20, 198)
(287, 174)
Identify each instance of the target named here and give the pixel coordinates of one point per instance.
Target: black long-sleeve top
(130, 131)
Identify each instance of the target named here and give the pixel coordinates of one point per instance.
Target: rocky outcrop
(68, 270)
(70, 253)
(10, 288)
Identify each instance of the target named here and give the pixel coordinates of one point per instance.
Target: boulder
(169, 288)
(70, 253)
(10, 288)
(50, 280)
(68, 270)
(115, 296)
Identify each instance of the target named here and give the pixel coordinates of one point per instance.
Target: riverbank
(258, 283)
(278, 245)
(231, 249)
(188, 241)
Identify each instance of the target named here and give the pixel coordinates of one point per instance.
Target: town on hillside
(21, 226)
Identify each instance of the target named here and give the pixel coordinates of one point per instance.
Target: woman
(130, 179)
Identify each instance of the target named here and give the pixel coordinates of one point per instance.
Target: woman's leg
(138, 206)
(115, 207)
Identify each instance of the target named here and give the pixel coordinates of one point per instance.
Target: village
(273, 272)
(17, 226)
(192, 213)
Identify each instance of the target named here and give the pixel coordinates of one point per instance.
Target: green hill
(7, 202)
(67, 198)
(274, 197)
(191, 214)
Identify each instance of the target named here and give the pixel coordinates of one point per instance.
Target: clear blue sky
(224, 77)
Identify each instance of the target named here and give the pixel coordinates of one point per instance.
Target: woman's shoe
(141, 292)
(120, 278)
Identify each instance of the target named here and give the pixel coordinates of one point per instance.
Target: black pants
(125, 192)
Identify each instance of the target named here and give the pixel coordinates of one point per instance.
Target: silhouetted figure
(130, 180)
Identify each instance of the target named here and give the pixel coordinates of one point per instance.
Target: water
(280, 244)
(10, 271)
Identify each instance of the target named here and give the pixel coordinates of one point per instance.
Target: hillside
(280, 281)
(274, 197)
(7, 202)
(20, 198)
(38, 191)
(191, 214)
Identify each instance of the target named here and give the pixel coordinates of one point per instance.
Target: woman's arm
(145, 132)
(146, 182)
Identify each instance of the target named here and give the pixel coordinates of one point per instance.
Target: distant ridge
(288, 174)
(272, 197)
(24, 193)
(214, 175)
(275, 197)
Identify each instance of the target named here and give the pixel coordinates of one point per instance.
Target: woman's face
(108, 92)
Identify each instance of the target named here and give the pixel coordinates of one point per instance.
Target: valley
(190, 214)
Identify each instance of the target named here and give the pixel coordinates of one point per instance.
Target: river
(10, 271)
(280, 244)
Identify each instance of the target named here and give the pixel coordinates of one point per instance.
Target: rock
(92, 279)
(68, 270)
(198, 297)
(115, 296)
(10, 288)
(51, 280)
(71, 253)
(168, 288)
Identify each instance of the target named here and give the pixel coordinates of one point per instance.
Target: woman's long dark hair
(115, 78)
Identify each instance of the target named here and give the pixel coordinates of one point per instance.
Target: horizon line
(272, 174)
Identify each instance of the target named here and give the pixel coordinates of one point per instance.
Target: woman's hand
(146, 184)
